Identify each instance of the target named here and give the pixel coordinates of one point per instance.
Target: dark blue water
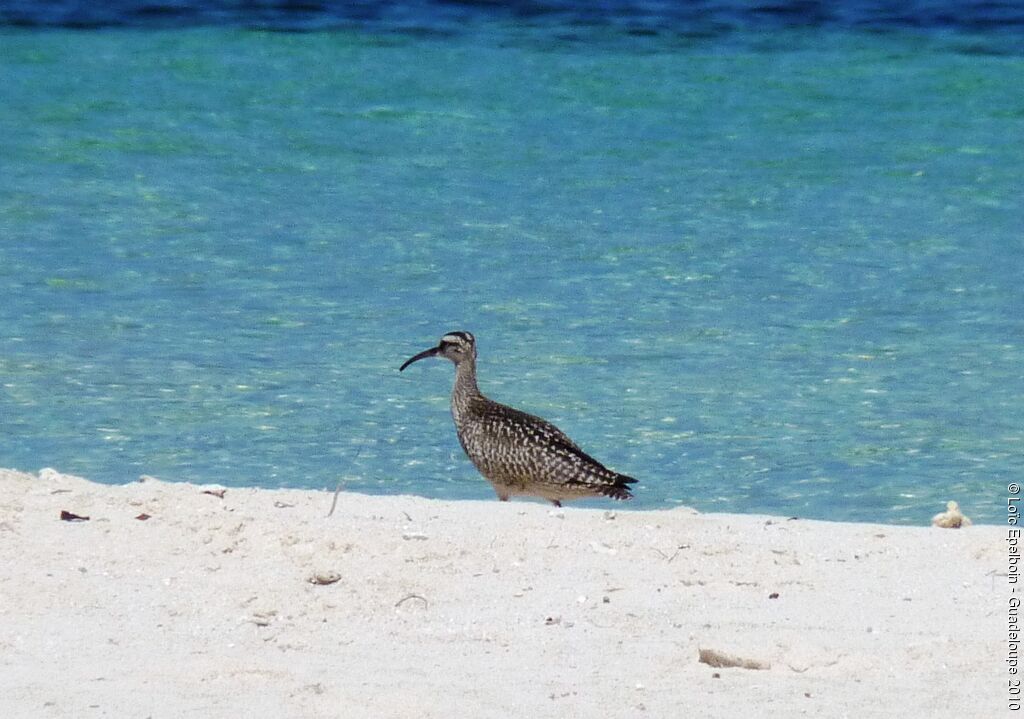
(692, 18)
(765, 260)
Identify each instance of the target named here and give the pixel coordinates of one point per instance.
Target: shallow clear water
(761, 272)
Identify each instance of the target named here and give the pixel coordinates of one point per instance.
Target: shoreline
(169, 601)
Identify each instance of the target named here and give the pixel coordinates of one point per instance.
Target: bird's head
(456, 346)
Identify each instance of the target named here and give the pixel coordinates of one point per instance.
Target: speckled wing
(528, 454)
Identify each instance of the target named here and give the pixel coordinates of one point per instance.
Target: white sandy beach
(480, 609)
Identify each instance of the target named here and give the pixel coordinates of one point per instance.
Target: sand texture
(257, 604)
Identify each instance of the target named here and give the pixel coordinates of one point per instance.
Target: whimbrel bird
(515, 451)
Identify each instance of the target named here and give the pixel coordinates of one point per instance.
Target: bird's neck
(465, 389)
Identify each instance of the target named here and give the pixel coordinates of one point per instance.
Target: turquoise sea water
(760, 271)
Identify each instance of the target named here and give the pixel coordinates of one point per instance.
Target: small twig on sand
(67, 516)
(715, 658)
(407, 597)
(670, 557)
(334, 502)
(337, 490)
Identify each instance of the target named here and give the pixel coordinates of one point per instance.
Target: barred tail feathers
(619, 487)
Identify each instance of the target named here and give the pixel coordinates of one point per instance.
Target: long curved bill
(422, 355)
